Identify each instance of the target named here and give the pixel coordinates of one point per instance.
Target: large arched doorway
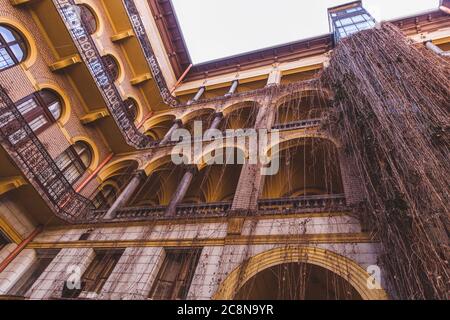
(339, 265)
(297, 281)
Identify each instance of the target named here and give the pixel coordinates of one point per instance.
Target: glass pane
(55, 110)
(38, 122)
(27, 106)
(7, 34)
(17, 51)
(357, 19)
(5, 59)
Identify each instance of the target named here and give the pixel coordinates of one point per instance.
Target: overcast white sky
(216, 29)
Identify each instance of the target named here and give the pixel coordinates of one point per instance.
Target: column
(126, 195)
(176, 125)
(274, 77)
(181, 190)
(431, 46)
(218, 116)
(198, 95)
(233, 88)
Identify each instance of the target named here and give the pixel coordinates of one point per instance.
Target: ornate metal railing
(105, 83)
(304, 203)
(298, 124)
(28, 153)
(141, 34)
(220, 209)
(158, 212)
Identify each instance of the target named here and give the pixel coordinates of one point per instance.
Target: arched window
(13, 49)
(74, 161)
(112, 67)
(88, 18)
(131, 108)
(40, 109)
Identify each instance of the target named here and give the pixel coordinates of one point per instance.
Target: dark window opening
(131, 108)
(88, 19)
(96, 275)
(13, 48)
(26, 282)
(112, 67)
(40, 109)
(3, 240)
(74, 161)
(175, 275)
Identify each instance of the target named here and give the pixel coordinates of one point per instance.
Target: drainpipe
(181, 79)
(94, 174)
(5, 263)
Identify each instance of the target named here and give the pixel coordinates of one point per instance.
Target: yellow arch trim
(348, 269)
(153, 121)
(156, 163)
(31, 44)
(67, 106)
(191, 114)
(95, 151)
(230, 108)
(115, 166)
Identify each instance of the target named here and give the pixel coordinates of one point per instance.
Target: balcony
(305, 204)
(302, 124)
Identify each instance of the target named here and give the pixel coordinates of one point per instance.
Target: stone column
(233, 88)
(251, 181)
(199, 94)
(218, 117)
(181, 190)
(126, 195)
(431, 46)
(176, 125)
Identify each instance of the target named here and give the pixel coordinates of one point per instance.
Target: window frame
(19, 40)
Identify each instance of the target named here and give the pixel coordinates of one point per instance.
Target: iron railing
(297, 124)
(31, 156)
(304, 203)
(220, 209)
(105, 83)
(141, 34)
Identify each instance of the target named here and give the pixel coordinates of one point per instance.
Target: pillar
(181, 191)
(176, 125)
(431, 46)
(199, 94)
(217, 120)
(125, 196)
(233, 88)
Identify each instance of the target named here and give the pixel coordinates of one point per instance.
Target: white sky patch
(216, 29)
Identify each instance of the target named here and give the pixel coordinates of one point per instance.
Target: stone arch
(94, 148)
(344, 267)
(191, 114)
(116, 166)
(224, 144)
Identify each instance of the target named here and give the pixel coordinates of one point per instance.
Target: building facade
(92, 205)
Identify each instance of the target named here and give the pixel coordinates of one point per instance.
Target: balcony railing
(141, 34)
(304, 203)
(219, 209)
(105, 83)
(28, 153)
(298, 124)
